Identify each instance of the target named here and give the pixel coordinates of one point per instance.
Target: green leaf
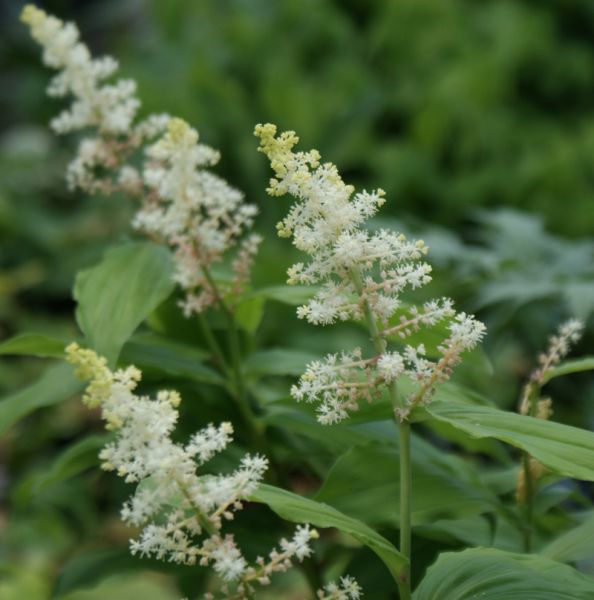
(249, 313)
(298, 509)
(573, 545)
(278, 361)
(442, 486)
(156, 353)
(491, 574)
(563, 449)
(571, 366)
(88, 568)
(34, 344)
(117, 295)
(76, 459)
(288, 294)
(54, 386)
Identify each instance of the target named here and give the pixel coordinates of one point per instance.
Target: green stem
(405, 507)
(214, 346)
(405, 462)
(529, 483)
(528, 503)
(240, 395)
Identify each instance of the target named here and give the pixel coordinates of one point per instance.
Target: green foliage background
(464, 111)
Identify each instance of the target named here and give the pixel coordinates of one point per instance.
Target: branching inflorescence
(362, 276)
(182, 204)
(181, 513)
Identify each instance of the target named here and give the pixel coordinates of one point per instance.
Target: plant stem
(240, 394)
(528, 502)
(405, 507)
(214, 346)
(405, 462)
(529, 483)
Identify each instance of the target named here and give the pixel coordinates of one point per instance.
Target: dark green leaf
(278, 361)
(563, 449)
(298, 509)
(574, 545)
(491, 574)
(54, 386)
(154, 352)
(442, 486)
(76, 459)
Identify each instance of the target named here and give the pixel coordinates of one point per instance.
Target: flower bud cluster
(157, 161)
(346, 589)
(180, 512)
(560, 344)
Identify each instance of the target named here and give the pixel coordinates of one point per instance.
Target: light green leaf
(571, 366)
(576, 544)
(288, 294)
(54, 386)
(298, 509)
(491, 574)
(442, 486)
(249, 313)
(115, 296)
(278, 361)
(33, 344)
(563, 449)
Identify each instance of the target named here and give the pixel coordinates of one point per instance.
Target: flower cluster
(181, 513)
(196, 212)
(533, 404)
(559, 346)
(157, 161)
(346, 589)
(361, 275)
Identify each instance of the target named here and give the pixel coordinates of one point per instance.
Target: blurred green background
(476, 117)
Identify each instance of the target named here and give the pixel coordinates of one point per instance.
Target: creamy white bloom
(362, 276)
(109, 107)
(157, 161)
(559, 346)
(180, 512)
(196, 212)
(346, 589)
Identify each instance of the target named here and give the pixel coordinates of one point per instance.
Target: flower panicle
(180, 513)
(560, 343)
(157, 161)
(361, 275)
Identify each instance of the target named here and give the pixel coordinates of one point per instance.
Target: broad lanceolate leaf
(491, 574)
(115, 296)
(77, 458)
(563, 449)
(571, 366)
(153, 352)
(298, 509)
(55, 385)
(288, 294)
(249, 313)
(278, 361)
(442, 486)
(33, 344)
(574, 545)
